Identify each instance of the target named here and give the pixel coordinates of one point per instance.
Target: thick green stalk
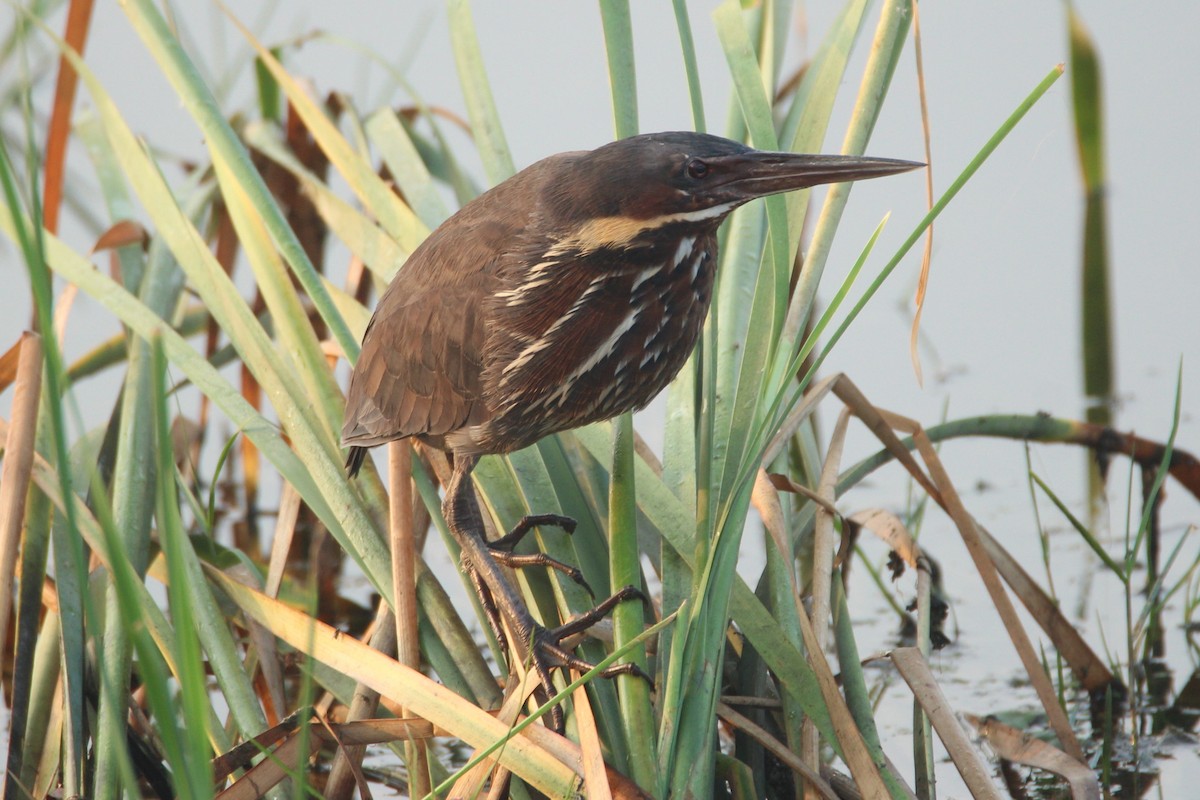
(1087, 96)
(622, 74)
(692, 771)
(637, 713)
(31, 710)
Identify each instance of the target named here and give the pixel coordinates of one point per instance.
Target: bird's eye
(697, 169)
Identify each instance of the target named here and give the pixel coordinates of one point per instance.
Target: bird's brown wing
(422, 362)
(419, 369)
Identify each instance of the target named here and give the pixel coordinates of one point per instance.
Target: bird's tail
(354, 460)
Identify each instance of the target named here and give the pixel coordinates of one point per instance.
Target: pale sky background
(1001, 319)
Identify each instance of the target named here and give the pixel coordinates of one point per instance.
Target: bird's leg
(461, 510)
(488, 604)
(531, 643)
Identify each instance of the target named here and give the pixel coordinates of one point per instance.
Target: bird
(570, 293)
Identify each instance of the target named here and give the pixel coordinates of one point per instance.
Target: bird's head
(644, 182)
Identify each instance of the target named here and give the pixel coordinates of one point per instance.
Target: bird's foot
(502, 548)
(549, 640)
(546, 651)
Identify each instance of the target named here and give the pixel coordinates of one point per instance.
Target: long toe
(589, 618)
(527, 523)
(523, 560)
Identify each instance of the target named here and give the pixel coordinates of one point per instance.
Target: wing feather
(416, 377)
(425, 352)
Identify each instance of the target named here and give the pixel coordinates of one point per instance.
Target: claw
(546, 651)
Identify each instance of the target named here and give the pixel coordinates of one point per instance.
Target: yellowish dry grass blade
(927, 253)
(424, 697)
(915, 670)
(515, 697)
(967, 528)
(1087, 667)
(853, 748)
(393, 214)
(595, 782)
(766, 500)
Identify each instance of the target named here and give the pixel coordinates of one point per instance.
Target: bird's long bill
(759, 173)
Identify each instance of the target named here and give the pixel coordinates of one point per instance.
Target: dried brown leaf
(120, 234)
(890, 529)
(1014, 745)
(1087, 667)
